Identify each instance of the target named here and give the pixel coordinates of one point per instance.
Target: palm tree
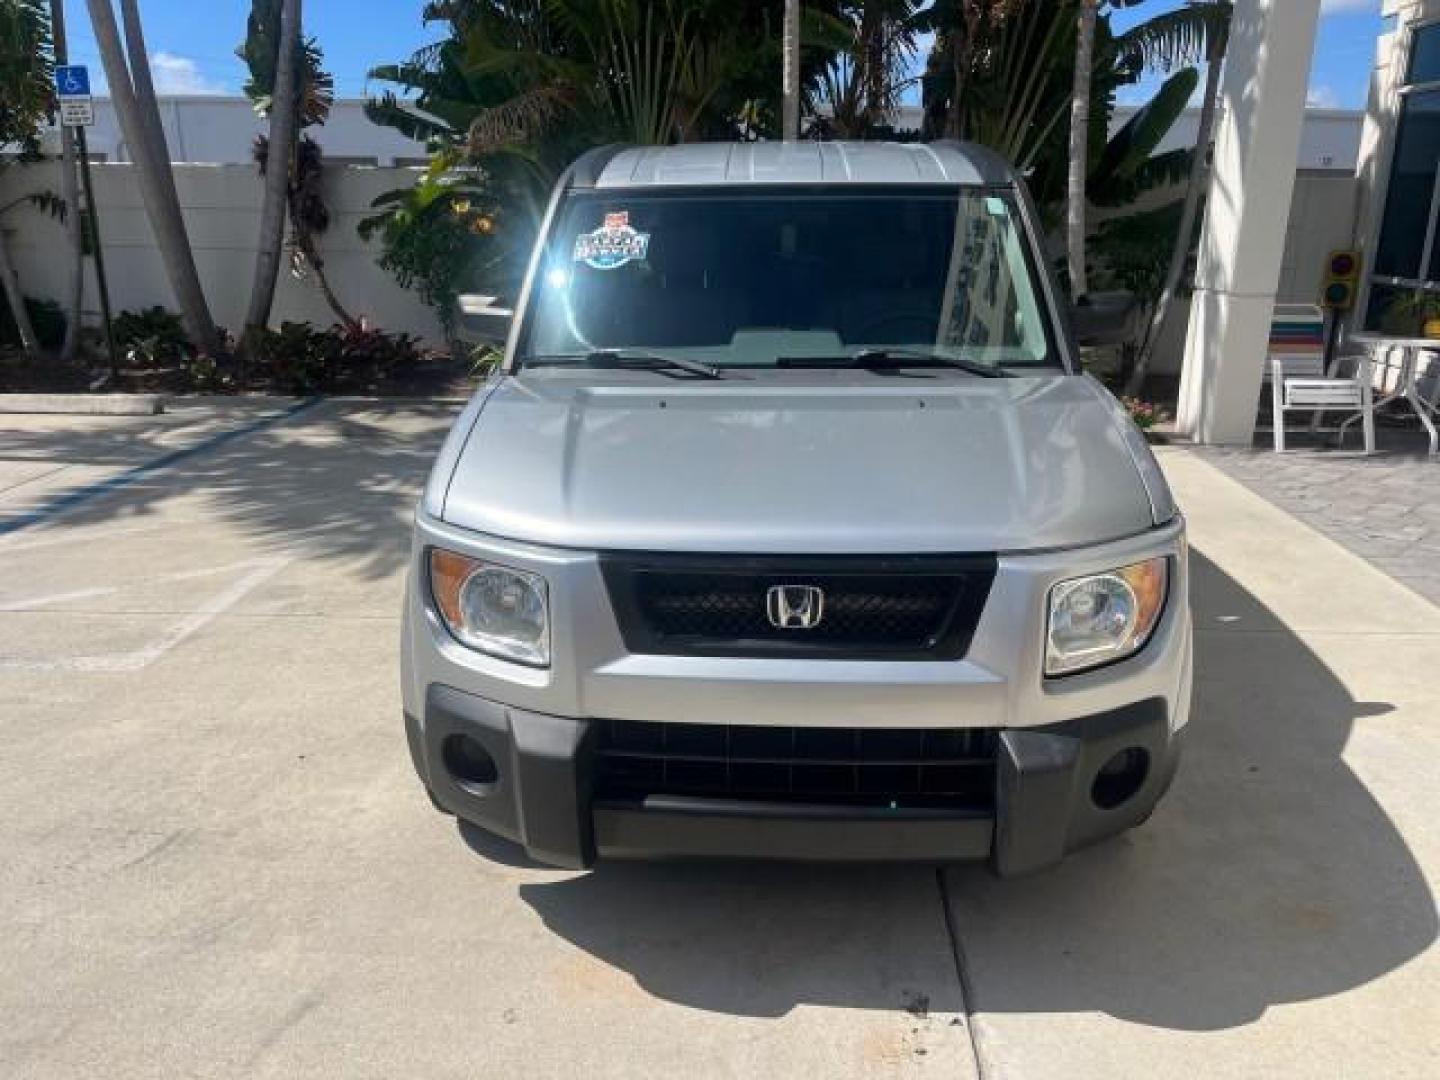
(861, 85)
(26, 101)
(282, 53)
(70, 193)
(10, 284)
(133, 96)
(1079, 147)
(964, 30)
(1011, 99)
(790, 94)
(309, 217)
(314, 97)
(1168, 36)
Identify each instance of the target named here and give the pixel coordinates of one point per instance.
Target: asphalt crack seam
(962, 973)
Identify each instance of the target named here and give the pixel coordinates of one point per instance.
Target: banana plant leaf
(1135, 142)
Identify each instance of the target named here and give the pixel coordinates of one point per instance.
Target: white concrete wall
(220, 130)
(1330, 138)
(208, 129)
(221, 204)
(1322, 220)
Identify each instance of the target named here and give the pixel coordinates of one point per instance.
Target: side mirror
(1106, 318)
(482, 320)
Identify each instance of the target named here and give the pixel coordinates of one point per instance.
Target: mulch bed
(437, 376)
(19, 374)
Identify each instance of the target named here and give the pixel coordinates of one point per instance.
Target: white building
(1399, 170)
(216, 130)
(1329, 141)
(1394, 216)
(219, 130)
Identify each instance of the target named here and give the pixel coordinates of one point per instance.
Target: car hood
(758, 464)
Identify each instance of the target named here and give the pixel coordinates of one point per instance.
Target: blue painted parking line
(72, 499)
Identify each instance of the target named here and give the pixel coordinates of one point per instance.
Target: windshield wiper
(893, 358)
(623, 358)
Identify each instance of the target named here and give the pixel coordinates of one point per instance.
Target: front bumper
(1053, 736)
(542, 795)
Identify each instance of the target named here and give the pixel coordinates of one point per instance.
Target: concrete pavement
(215, 860)
(1277, 916)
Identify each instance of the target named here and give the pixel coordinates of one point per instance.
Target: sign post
(72, 87)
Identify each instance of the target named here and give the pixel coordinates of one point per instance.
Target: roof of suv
(721, 164)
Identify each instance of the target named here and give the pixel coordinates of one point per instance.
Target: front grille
(951, 768)
(920, 607)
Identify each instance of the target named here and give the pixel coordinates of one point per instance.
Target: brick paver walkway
(1385, 508)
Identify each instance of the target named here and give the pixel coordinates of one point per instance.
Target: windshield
(753, 279)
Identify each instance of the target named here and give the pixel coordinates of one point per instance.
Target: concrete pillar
(1256, 148)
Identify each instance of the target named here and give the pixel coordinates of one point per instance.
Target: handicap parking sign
(72, 80)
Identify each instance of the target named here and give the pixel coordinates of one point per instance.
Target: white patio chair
(1298, 380)
(1298, 383)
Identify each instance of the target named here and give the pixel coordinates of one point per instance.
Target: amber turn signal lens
(448, 572)
(1148, 580)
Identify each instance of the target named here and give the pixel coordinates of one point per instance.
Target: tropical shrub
(1408, 313)
(150, 336)
(46, 316)
(439, 236)
(207, 375)
(303, 360)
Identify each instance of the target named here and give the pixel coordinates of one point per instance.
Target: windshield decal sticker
(614, 244)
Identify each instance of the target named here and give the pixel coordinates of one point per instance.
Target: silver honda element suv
(790, 528)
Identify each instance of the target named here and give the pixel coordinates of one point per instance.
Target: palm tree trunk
(1079, 149)
(316, 266)
(10, 282)
(959, 68)
(1194, 186)
(279, 154)
(790, 93)
(147, 107)
(871, 56)
(70, 193)
(129, 82)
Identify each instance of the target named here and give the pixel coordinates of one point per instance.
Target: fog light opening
(1120, 778)
(468, 763)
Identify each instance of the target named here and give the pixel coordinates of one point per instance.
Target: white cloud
(180, 75)
(1336, 7)
(1322, 97)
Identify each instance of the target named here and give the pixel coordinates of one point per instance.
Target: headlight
(491, 608)
(1103, 617)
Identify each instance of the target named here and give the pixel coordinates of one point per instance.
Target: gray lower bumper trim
(1044, 775)
(671, 828)
(543, 796)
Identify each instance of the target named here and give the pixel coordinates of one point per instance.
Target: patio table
(1408, 388)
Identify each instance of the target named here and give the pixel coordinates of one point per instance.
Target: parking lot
(215, 859)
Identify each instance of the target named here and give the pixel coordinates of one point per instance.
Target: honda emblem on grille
(794, 607)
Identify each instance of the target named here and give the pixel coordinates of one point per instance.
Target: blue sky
(192, 42)
(1344, 51)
